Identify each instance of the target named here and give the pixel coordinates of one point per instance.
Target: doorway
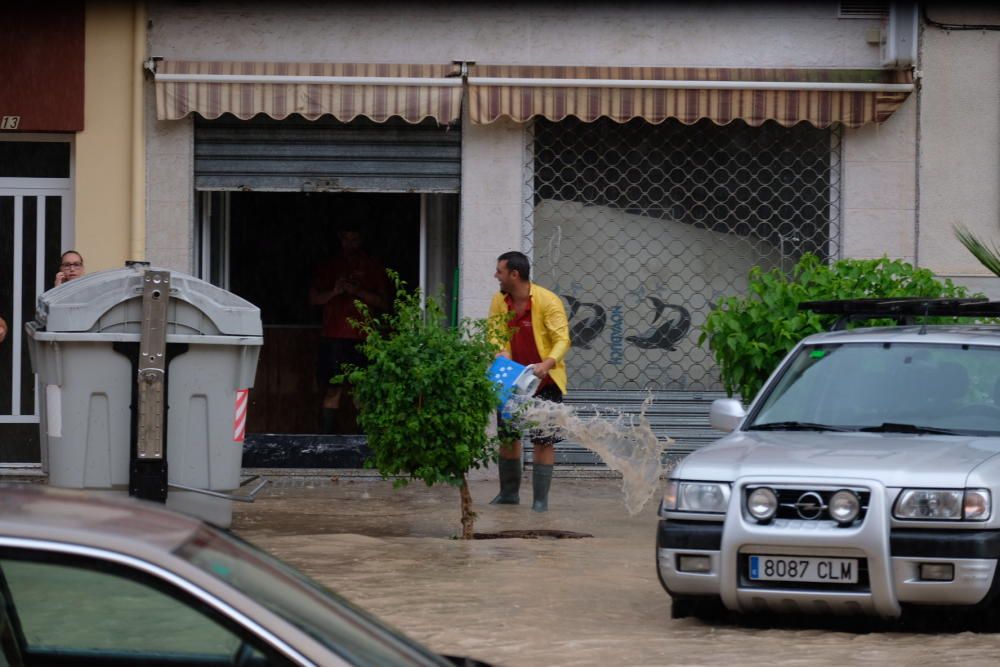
(267, 246)
(36, 225)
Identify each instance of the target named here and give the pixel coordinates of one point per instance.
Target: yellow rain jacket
(549, 326)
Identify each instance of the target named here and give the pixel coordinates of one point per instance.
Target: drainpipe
(918, 140)
(423, 251)
(137, 225)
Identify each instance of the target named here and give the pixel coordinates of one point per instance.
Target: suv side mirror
(726, 414)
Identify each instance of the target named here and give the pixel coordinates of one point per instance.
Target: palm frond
(988, 255)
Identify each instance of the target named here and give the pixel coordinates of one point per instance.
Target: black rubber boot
(541, 479)
(510, 483)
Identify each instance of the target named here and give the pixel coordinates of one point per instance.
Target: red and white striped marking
(240, 415)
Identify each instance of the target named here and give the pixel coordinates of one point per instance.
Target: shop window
(642, 228)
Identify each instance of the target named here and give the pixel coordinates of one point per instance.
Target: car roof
(941, 334)
(91, 518)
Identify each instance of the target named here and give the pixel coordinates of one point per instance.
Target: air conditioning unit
(899, 35)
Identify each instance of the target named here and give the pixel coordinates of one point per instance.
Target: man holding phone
(70, 267)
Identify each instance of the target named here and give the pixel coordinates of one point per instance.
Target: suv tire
(703, 608)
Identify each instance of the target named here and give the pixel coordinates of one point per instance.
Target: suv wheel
(704, 608)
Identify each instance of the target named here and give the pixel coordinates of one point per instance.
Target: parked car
(861, 479)
(94, 580)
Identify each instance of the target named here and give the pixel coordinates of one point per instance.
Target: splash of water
(625, 442)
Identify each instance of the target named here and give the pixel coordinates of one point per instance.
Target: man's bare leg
(545, 453)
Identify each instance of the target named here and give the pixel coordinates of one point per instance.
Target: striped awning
(311, 90)
(821, 97)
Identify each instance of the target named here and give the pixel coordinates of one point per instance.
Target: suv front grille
(810, 504)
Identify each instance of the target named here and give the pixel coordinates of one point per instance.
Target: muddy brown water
(593, 601)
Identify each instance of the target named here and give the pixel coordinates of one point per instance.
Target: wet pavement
(593, 601)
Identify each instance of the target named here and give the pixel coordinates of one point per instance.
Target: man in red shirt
(539, 338)
(352, 276)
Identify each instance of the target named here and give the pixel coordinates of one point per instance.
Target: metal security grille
(641, 228)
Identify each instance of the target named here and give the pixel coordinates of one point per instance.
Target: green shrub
(424, 397)
(749, 335)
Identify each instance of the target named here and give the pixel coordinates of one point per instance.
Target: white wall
(960, 139)
(492, 185)
(170, 201)
(878, 191)
(777, 34)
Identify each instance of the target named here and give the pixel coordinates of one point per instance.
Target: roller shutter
(326, 155)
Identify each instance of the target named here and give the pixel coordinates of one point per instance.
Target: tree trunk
(468, 516)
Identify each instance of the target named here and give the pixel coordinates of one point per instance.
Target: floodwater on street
(593, 601)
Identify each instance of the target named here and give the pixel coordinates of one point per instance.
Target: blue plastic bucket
(505, 372)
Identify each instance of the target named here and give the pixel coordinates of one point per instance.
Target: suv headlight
(943, 504)
(711, 497)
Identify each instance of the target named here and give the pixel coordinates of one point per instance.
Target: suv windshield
(890, 387)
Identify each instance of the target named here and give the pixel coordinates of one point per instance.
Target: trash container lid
(80, 304)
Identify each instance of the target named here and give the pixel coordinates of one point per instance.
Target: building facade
(645, 156)
(70, 169)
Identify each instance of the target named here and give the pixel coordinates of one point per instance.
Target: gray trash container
(84, 347)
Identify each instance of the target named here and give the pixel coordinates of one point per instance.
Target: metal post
(423, 251)
(149, 469)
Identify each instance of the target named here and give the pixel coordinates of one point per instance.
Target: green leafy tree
(749, 335)
(424, 397)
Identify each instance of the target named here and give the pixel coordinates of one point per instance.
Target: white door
(36, 213)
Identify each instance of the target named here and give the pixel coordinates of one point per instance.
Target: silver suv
(860, 480)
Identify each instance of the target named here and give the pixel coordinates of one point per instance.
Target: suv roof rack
(901, 309)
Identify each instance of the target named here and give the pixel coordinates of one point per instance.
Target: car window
(94, 610)
(860, 385)
(343, 628)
